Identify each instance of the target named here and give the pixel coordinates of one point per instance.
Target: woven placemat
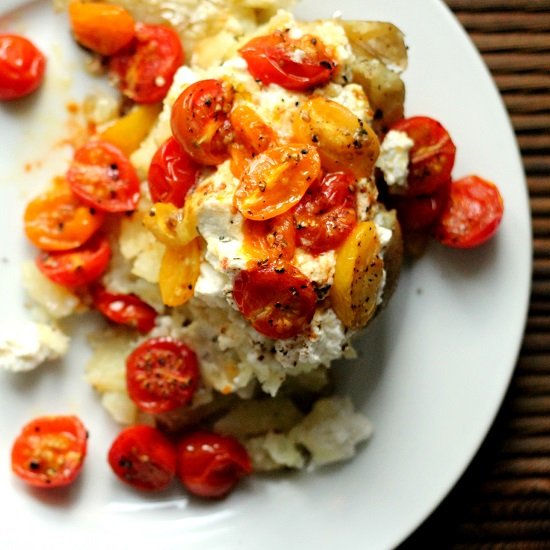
(503, 500)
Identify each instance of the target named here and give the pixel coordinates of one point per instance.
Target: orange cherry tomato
(22, 67)
(200, 121)
(279, 301)
(146, 69)
(210, 465)
(124, 309)
(327, 213)
(295, 64)
(144, 458)
(77, 267)
(50, 451)
(162, 374)
(276, 180)
(472, 214)
(103, 28)
(101, 175)
(59, 221)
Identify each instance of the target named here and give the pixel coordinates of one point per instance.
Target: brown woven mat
(503, 500)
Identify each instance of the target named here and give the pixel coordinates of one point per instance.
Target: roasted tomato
(144, 458)
(431, 158)
(162, 374)
(146, 68)
(472, 214)
(124, 309)
(57, 220)
(293, 63)
(78, 267)
(278, 301)
(200, 121)
(276, 180)
(327, 213)
(103, 28)
(172, 173)
(210, 465)
(102, 176)
(49, 451)
(22, 67)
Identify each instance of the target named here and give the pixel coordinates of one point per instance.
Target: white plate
(434, 366)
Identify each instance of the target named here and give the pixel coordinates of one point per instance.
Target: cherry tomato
(293, 63)
(124, 309)
(102, 176)
(278, 301)
(162, 374)
(276, 180)
(102, 28)
(273, 239)
(59, 221)
(49, 451)
(147, 68)
(144, 458)
(472, 215)
(327, 213)
(432, 156)
(172, 173)
(22, 67)
(200, 121)
(210, 465)
(78, 267)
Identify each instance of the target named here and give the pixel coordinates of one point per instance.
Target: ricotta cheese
(394, 159)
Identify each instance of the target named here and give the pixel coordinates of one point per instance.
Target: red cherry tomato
(200, 121)
(472, 215)
(102, 176)
(49, 451)
(295, 64)
(78, 267)
(327, 213)
(172, 173)
(146, 69)
(22, 67)
(431, 158)
(210, 465)
(124, 309)
(144, 458)
(162, 374)
(279, 301)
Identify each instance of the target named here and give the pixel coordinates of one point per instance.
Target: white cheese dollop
(394, 158)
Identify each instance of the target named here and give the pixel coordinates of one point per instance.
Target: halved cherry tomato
(200, 120)
(57, 220)
(102, 176)
(172, 173)
(431, 158)
(78, 267)
(49, 451)
(273, 239)
(276, 180)
(22, 67)
(124, 309)
(472, 215)
(279, 301)
(210, 465)
(144, 458)
(146, 69)
(327, 213)
(103, 28)
(162, 374)
(293, 63)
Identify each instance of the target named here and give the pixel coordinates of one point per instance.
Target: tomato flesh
(144, 458)
(50, 451)
(210, 465)
(162, 374)
(22, 67)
